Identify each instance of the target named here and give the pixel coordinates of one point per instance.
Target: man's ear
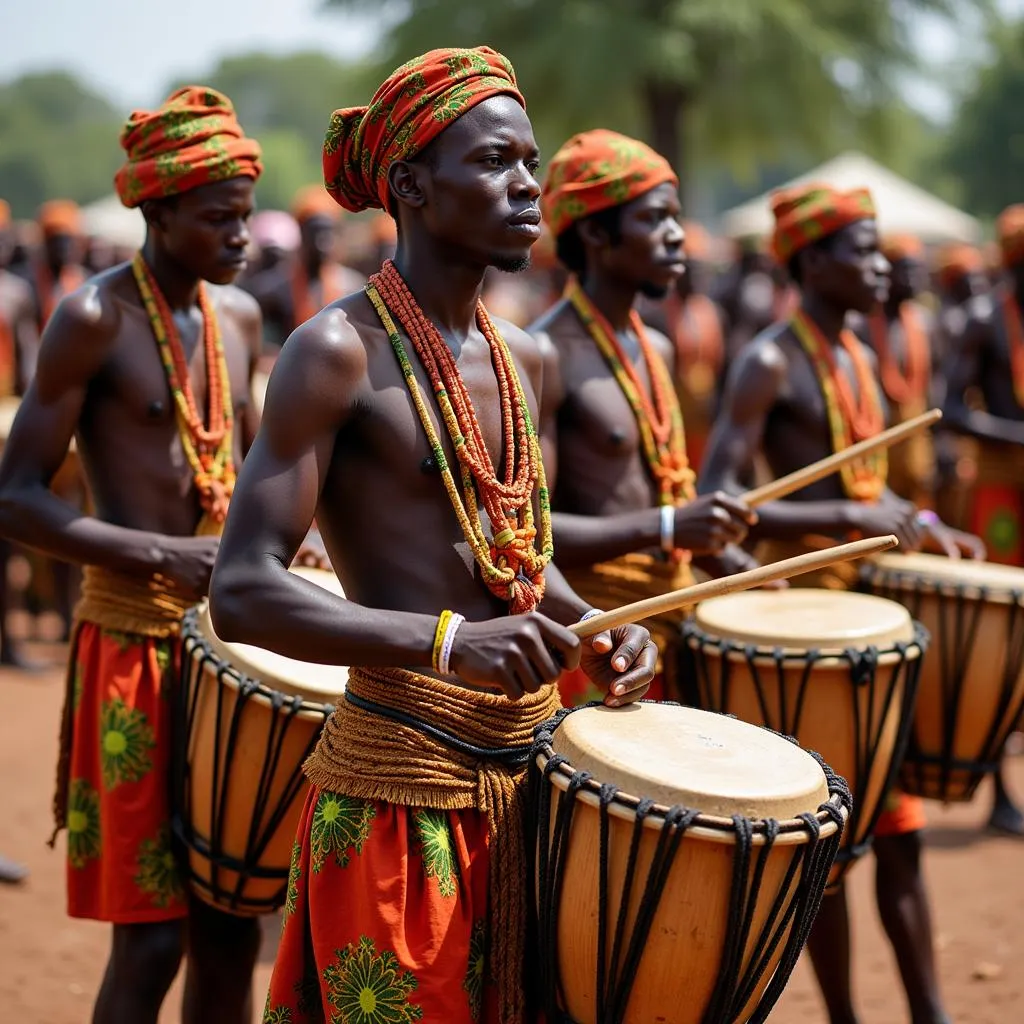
(406, 182)
(155, 213)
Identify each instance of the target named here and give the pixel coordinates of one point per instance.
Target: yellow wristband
(442, 628)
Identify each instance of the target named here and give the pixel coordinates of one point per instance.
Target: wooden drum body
(681, 859)
(838, 671)
(248, 719)
(972, 678)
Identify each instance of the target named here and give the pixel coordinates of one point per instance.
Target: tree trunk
(666, 103)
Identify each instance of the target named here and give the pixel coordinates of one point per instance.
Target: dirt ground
(50, 966)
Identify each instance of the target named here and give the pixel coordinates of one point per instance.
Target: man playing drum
(990, 360)
(129, 364)
(800, 391)
(408, 890)
(625, 514)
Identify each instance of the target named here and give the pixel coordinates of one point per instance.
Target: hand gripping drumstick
(825, 467)
(810, 562)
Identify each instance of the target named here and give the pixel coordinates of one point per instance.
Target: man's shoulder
(338, 338)
(93, 311)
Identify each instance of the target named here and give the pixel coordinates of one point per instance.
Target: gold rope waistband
(631, 578)
(367, 754)
(130, 604)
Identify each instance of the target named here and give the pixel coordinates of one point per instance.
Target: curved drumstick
(810, 562)
(825, 467)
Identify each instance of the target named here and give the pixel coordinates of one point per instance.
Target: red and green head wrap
(806, 214)
(597, 170)
(413, 106)
(1010, 229)
(193, 139)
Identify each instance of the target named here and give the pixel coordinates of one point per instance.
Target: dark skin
(982, 361)
(100, 380)
(605, 499)
(341, 440)
(773, 407)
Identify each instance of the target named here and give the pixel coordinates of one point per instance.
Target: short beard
(510, 264)
(653, 291)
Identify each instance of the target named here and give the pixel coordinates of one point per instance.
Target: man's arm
(963, 371)
(752, 389)
(74, 348)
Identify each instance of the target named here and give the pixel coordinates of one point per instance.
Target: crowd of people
(494, 406)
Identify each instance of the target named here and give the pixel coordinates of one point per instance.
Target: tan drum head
(907, 571)
(324, 683)
(804, 619)
(676, 755)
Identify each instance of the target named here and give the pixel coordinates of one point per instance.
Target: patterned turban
(808, 213)
(60, 217)
(1010, 229)
(193, 139)
(597, 170)
(5, 214)
(955, 262)
(413, 106)
(313, 201)
(902, 247)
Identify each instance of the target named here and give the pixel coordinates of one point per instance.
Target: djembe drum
(248, 719)
(972, 678)
(681, 859)
(837, 670)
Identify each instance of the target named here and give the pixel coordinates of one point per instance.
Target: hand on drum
(188, 563)
(622, 662)
(890, 515)
(940, 539)
(709, 523)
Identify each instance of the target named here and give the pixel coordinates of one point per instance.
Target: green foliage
(57, 139)
(986, 146)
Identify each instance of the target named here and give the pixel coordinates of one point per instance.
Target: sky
(130, 50)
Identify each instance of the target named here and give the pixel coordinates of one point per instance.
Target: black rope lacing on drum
(197, 663)
(788, 921)
(878, 684)
(940, 774)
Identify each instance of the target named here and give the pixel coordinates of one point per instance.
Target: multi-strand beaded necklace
(657, 415)
(912, 385)
(209, 449)
(510, 564)
(850, 418)
(1015, 343)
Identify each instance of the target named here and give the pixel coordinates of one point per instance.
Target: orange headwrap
(193, 139)
(597, 170)
(60, 217)
(5, 214)
(413, 106)
(698, 241)
(313, 201)
(902, 247)
(955, 262)
(807, 213)
(1010, 229)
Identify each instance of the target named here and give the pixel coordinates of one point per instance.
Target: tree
(729, 80)
(986, 145)
(57, 138)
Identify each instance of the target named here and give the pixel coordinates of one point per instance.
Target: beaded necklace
(1015, 343)
(209, 449)
(510, 564)
(658, 416)
(899, 386)
(863, 480)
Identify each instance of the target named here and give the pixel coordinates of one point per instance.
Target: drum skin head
(317, 682)
(678, 755)
(806, 619)
(908, 571)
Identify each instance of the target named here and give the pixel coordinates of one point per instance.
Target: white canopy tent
(107, 218)
(902, 206)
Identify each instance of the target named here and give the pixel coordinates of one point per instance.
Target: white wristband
(449, 642)
(668, 528)
(590, 614)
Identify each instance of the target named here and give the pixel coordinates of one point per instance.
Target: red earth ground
(51, 965)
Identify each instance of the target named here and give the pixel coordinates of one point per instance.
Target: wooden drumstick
(676, 599)
(825, 467)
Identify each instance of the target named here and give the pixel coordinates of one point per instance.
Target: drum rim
(198, 648)
(911, 581)
(792, 831)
